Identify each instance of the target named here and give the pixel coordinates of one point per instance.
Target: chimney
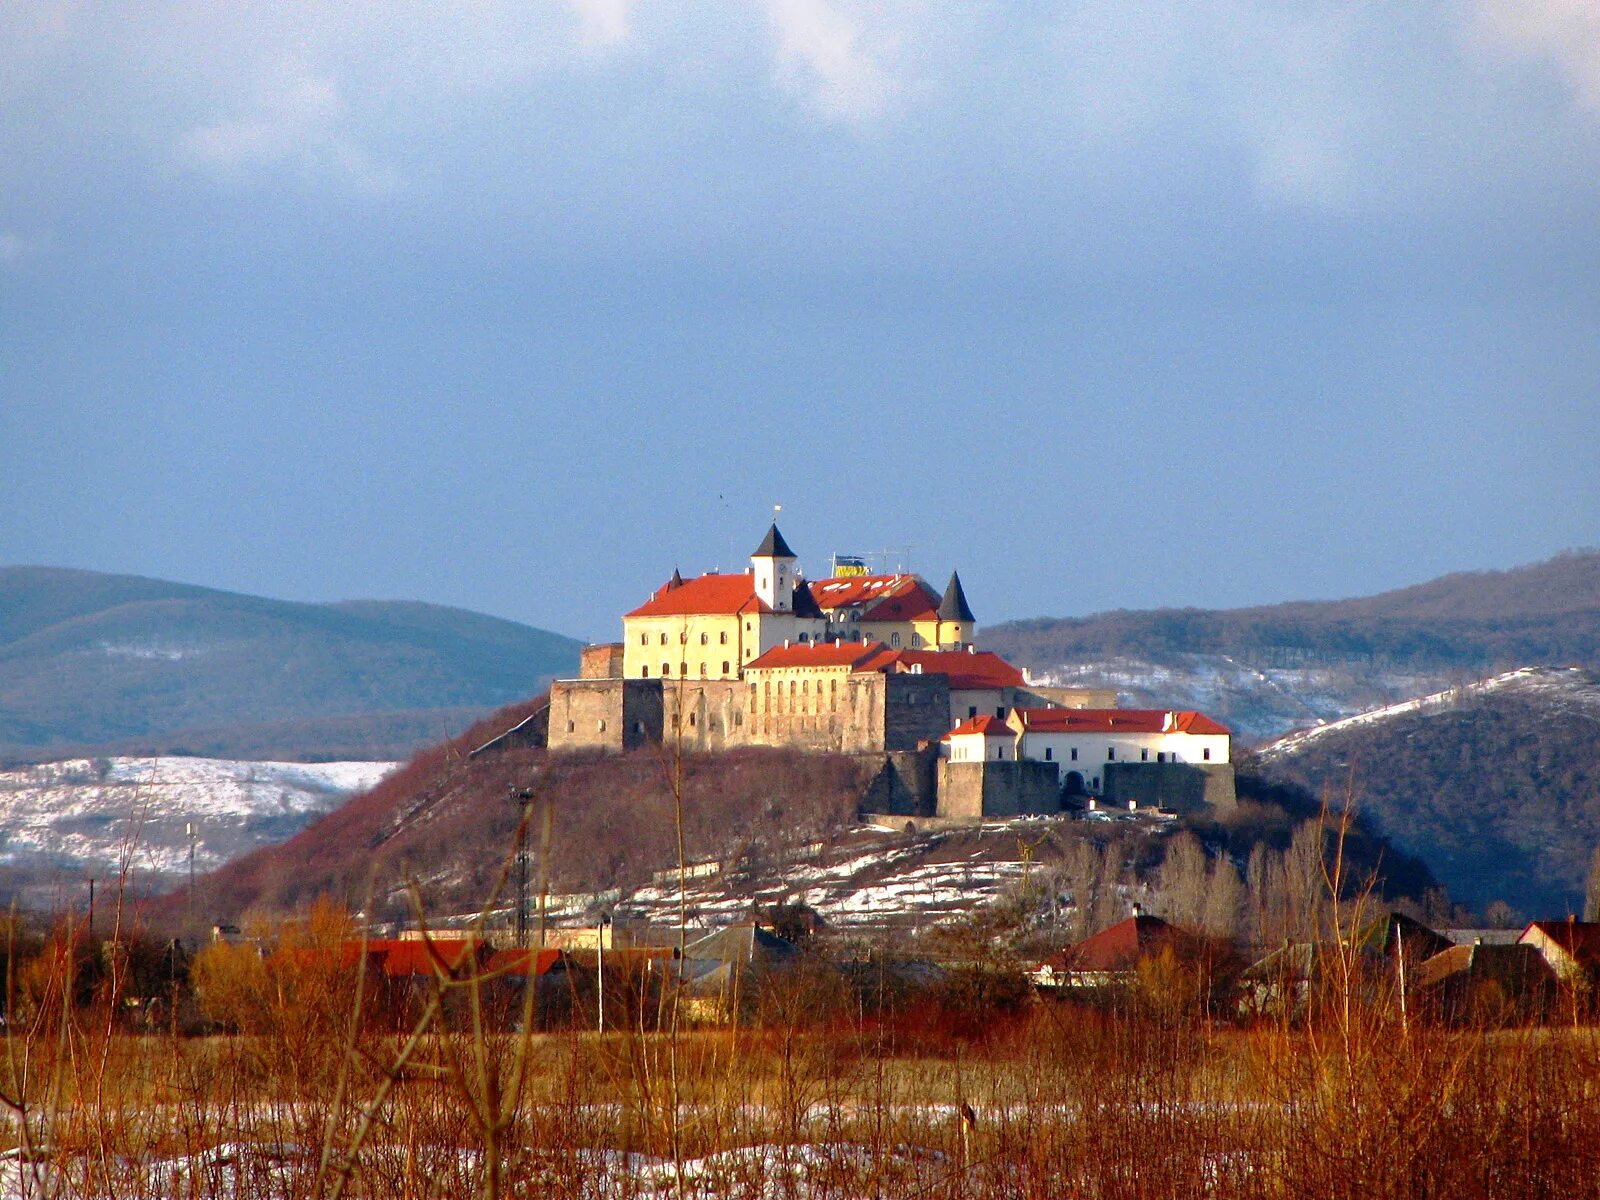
(785, 643)
(971, 648)
(1138, 911)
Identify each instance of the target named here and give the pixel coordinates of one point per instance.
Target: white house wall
(1092, 749)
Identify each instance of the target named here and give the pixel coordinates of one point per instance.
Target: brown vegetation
(444, 822)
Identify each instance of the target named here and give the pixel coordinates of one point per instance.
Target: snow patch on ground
(84, 815)
(1571, 685)
(872, 877)
(1257, 701)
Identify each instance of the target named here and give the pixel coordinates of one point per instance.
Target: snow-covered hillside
(871, 877)
(1566, 687)
(86, 817)
(1257, 702)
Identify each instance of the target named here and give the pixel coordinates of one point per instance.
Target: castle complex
(879, 666)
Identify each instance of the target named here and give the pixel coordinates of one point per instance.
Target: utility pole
(544, 868)
(91, 910)
(600, 969)
(520, 798)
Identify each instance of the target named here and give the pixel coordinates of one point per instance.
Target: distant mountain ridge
(1495, 785)
(1271, 668)
(91, 660)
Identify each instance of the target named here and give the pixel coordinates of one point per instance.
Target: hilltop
(1496, 785)
(781, 825)
(1269, 669)
(98, 663)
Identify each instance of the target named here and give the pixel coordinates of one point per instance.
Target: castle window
(724, 638)
(738, 717)
(724, 666)
(683, 638)
(894, 640)
(1111, 754)
(663, 639)
(1001, 712)
(683, 669)
(702, 670)
(571, 726)
(1206, 754)
(638, 726)
(601, 724)
(666, 669)
(644, 639)
(644, 671)
(694, 719)
(704, 638)
(1074, 754)
(1049, 754)
(1144, 756)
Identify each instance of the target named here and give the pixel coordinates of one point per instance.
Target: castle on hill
(878, 666)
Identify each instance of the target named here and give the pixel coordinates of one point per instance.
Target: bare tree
(1269, 922)
(1224, 899)
(1079, 875)
(1184, 880)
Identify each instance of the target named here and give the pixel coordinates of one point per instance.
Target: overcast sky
(518, 306)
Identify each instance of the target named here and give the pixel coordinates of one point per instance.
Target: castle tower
(956, 622)
(773, 563)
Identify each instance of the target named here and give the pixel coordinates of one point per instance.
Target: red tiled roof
(880, 597)
(986, 725)
(1116, 720)
(517, 962)
(818, 654)
(983, 670)
(414, 956)
(1120, 947)
(704, 594)
(967, 671)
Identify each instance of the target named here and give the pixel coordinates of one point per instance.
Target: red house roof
(880, 597)
(522, 963)
(408, 957)
(704, 594)
(988, 726)
(980, 671)
(1116, 720)
(1120, 947)
(855, 655)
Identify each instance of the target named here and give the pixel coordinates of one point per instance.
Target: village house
(1571, 948)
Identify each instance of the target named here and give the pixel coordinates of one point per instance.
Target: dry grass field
(822, 1089)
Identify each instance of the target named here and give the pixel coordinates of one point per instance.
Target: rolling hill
(91, 662)
(768, 826)
(1495, 785)
(1272, 668)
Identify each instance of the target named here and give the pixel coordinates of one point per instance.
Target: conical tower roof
(677, 579)
(954, 606)
(773, 545)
